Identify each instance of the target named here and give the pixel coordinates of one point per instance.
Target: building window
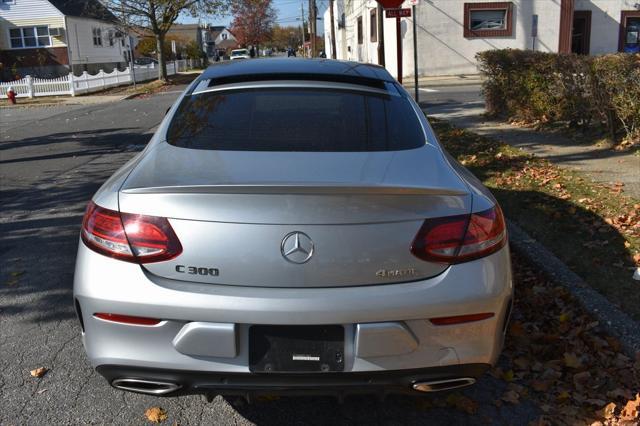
(629, 31)
(491, 19)
(360, 35)
(27, 37)
(111, 38)
(97, 36)
(224, 36)
(373, 25)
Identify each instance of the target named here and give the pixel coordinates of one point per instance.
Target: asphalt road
(51, 161)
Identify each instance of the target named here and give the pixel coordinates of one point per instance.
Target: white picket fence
(70, 84)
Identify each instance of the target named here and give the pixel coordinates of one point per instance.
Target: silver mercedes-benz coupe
(293, 225)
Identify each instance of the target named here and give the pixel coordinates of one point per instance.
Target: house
(223, 39)
(187, 33)
(451, 32)
(220, 33)
(49, 38)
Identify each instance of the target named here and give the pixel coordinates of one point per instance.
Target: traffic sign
(390, 4)
(397, 13)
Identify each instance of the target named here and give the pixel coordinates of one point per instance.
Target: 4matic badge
(396, 273)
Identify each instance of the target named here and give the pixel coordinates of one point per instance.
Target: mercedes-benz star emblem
(296, 247)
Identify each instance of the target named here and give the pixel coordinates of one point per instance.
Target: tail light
(456, 239)
(130, 237)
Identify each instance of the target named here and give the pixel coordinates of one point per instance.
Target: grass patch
(594, 228)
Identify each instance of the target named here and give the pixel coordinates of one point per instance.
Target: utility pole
(399, 48)
(302, 26)
(380, 18)
(333, 31)
(415, 54)
(312, 27)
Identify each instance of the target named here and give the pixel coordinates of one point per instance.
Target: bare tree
(159, 15)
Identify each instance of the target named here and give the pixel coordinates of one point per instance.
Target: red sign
(397, 13)
(390, 4)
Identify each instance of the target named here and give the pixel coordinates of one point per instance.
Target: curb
(610, 317)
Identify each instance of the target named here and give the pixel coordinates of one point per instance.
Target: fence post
(29, 86)
(104, 84)
(72, 88)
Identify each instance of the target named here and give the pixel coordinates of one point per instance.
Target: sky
(288, 14)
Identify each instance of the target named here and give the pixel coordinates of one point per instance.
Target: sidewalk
(444, 80)
(602, 164)
(112, 94)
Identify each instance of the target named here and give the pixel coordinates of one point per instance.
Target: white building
(451, 32)
(48, 38)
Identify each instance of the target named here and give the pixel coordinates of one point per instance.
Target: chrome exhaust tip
(441, 385)
(149, 387)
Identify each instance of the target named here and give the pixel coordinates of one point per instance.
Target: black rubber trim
(79, 313)
(201, 382)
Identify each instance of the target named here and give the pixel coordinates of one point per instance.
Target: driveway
(51, 162)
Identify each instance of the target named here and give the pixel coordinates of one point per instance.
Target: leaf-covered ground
(557, 355)
(593, 228)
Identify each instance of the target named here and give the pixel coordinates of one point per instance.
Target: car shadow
(40, 225)
(471, 406)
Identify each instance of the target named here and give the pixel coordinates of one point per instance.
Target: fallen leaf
(608, 411)
(156, 415)
(39, 372)
(571, 360)
(541, 385)
(508, 376)
(511, 397)
(631, 410)
(462, 403)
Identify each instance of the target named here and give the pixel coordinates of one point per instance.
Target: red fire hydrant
(11, 95)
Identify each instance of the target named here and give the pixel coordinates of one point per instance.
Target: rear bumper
(387, 327)
(197, 382)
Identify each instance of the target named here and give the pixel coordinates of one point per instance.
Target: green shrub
(579, 90)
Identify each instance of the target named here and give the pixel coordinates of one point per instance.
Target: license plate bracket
(296, 348)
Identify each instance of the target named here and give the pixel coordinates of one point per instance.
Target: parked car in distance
(240, 54)
(144, 60)
(293, 225)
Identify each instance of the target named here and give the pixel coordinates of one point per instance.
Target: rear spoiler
(302, 189)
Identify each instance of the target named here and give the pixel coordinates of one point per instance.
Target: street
(53, 160)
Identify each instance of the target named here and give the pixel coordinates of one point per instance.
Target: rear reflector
(127, 319)
(131, 237)
(455, 239)
(461, 319)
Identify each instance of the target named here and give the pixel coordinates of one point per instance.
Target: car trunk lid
(233, 212)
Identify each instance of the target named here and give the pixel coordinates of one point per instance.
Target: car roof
(321, 68)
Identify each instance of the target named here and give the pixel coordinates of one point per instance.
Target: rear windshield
(295, 120)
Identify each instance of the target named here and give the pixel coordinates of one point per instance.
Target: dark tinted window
(295, 120)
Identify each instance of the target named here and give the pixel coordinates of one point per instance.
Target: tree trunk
(162, 64)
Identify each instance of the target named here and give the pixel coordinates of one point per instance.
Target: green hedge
(549, 87)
